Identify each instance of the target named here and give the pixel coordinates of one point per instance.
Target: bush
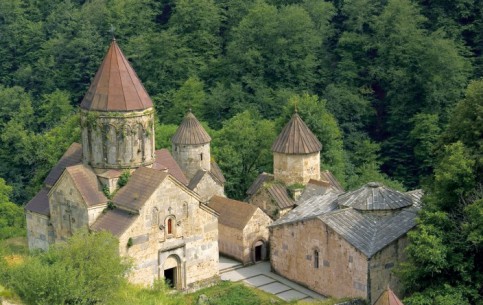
(85, 270)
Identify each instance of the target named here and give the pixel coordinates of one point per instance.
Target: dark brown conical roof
(116, 87)
(190, 132)
(296, 138)
(375, 196)
(388, 297)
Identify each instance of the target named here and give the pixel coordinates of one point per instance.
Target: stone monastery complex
(171, 216)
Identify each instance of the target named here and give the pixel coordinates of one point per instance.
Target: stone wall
(193, 240)
(382, 266)
(341, 270)
(192, 158)
(255, 230)
(40, 233)
(231, 243)
(208, 188)
(118, 139)
(293, 169)
(68, 211)
(263, 200)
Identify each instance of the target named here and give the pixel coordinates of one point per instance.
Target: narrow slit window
(316, 259)
(201, 157)
(170, 226)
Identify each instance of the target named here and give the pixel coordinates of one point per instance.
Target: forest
(393, 90)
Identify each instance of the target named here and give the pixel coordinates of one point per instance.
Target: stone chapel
(115, 180)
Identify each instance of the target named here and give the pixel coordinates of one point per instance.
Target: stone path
(260, 276)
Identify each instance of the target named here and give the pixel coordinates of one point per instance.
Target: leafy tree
(87, 269)
(189, 96)
(243, 150)
(12, 218)
(163, 134)
(54, 108)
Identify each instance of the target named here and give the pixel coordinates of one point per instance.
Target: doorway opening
(170, 277)
(258, 253)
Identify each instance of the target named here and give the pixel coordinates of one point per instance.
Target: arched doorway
(172, 272)
(259, 251)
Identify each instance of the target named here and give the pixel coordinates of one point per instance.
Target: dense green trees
(445, 265)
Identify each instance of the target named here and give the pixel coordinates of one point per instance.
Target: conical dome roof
(190, 132)
(296, 138)
(375, 196)
(116, 87)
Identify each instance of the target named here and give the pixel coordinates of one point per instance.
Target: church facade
(116, 181)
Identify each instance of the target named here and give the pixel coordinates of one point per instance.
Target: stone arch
(111, 144)
(259, 250)
(170, 226)
(172, 274)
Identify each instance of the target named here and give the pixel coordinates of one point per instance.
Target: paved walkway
(260, 276)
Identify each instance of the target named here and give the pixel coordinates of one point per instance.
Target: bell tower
(296, 153)
(191, 146)
(117, 117)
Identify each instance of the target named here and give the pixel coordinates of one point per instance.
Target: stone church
(115, 180)
(296, 166)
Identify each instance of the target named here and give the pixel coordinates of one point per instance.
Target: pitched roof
(280, 195)
(233, 213)
(190, 132)
(296, 138)
(115, 221)
(328, 176)
(196, 179)
(416, 196)
(370, 232)
(314, 188)
(116, 87)
(313, 207)
(40, 203)
(261, 179)
(165, 161)
(140, 186)
(388, 297)
(216, 171)
(72, 156)
(375, 196)
(85, 181)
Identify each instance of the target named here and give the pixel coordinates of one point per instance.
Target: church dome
(296, 138)
(375, 196)
(190, 132)
(116, 87)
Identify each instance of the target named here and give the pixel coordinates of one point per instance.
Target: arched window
(316, 259)
(170, 226)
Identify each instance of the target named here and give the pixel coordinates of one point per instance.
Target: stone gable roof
(280, 195)
(258, 183)
(40, 203)
(165, 161)
(72, 156)
(375, 196)
(296, 138)
(85, 181)
(190, 132)
(116, 87)
(388, 297)
(233, 213)
(334, 183)
(139, 188)
(217, 173)
(368, 232)
(116, 221)
(311, 208)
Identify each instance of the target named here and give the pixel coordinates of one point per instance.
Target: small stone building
(242, 230)
(345, 245)
(296, 162)
(116, 181)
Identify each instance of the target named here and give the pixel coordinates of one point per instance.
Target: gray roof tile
(40, 203)
(233, 213)
(85, 180)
